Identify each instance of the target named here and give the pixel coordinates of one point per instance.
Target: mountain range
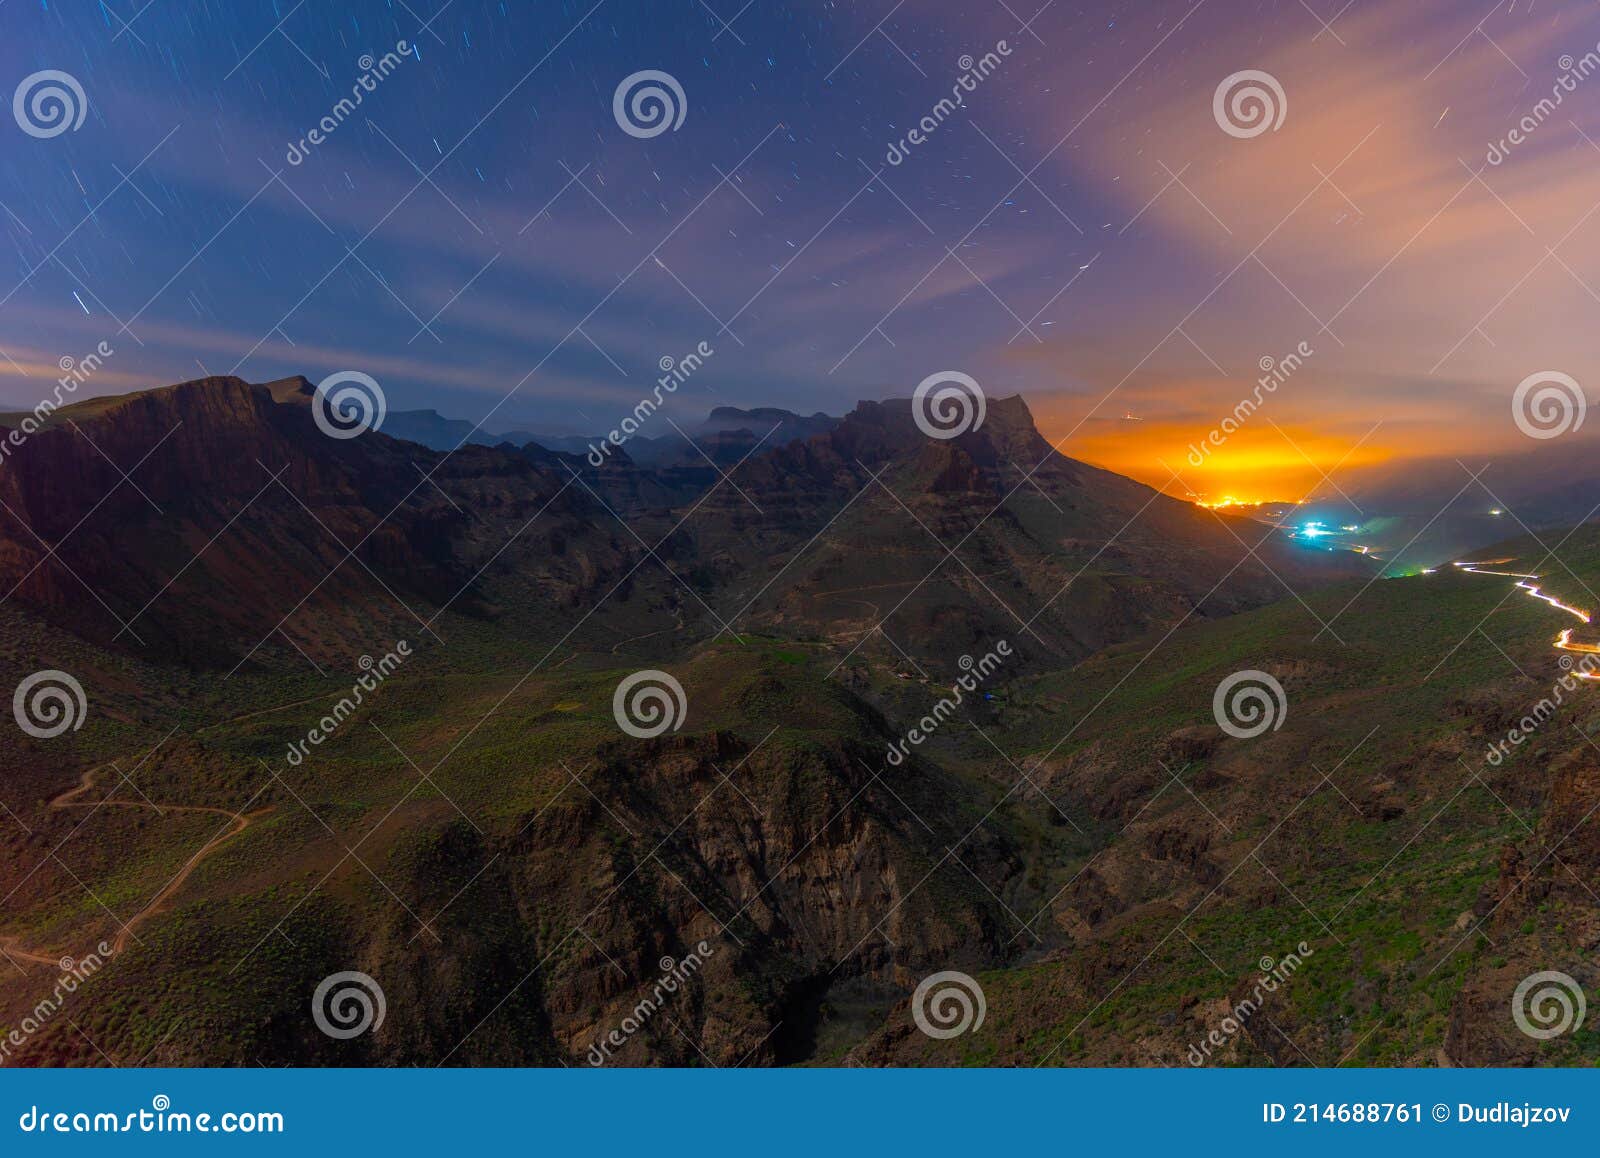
(144, 521)
(488, 834)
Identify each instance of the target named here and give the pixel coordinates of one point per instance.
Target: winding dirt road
(12, 947)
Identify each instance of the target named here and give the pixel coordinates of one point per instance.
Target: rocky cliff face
(780, 861)
(794, 892)
(1056, 555)
(148, 520)
(1539, 905)
(193, 522)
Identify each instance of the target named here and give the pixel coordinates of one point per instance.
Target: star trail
(439, 193)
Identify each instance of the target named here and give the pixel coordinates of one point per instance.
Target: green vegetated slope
(481, 837)
(1425, 880)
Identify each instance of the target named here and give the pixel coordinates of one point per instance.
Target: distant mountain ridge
(934, 546)
(242, 531)
(725, 434)
(747, 524)
(435, 431)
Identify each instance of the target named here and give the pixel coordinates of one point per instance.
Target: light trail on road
(1563, 642)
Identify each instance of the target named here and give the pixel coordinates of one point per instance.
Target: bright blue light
(1313, 530)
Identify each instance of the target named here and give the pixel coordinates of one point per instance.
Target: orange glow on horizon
(1257, 464)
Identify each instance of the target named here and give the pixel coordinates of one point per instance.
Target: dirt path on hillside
(10, 947)
(238, 822)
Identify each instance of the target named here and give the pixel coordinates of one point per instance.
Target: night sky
(482, 236)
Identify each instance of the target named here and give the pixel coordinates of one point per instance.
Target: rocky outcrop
(190, 522)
